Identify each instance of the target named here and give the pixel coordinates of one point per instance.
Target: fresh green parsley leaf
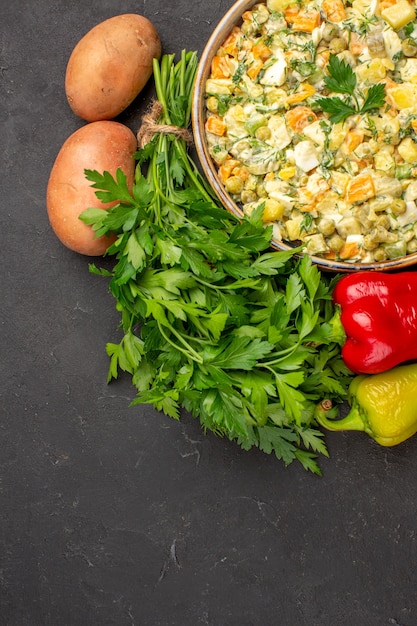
(294, 293)
(310, 276)
(162, 400)
(144, 375)
(338, 109)
(292, 399)
(116, 188)
(136, 255)
(341, 78)
(313, 439)
(375, 98)
(308, 461)
(240, 353)
(280, 441)
(270, 263)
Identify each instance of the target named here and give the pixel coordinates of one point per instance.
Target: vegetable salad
(312, 112)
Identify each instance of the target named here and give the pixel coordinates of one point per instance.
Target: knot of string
(150, 127)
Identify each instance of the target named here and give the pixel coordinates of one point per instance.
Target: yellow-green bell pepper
(382, 405)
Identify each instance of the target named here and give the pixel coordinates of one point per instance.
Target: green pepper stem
(352, 421)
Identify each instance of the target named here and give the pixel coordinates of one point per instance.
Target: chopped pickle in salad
(311, 111)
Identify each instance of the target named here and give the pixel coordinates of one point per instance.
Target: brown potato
(110, 65)
(101, 146)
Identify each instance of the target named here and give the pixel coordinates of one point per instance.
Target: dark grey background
(118, 516)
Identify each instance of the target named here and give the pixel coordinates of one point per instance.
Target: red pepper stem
(352, 421)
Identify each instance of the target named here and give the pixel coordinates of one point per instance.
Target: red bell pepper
(378, 314)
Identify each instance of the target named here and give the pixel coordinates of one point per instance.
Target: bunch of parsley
(212, 320)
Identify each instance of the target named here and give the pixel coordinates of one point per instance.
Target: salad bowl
(390, 211)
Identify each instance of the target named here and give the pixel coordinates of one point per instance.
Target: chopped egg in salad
(311, 112)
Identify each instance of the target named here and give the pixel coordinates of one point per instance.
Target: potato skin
(110, 65)
(101, 146)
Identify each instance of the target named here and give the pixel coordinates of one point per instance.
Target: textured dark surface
(118, 516)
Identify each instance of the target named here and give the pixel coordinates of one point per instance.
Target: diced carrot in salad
(353, 139)
(302, 19)
(216, 125)
(261, 51)
(350, 250)
(226, 169)
(357, 44)
(299, 117)
(385, 4)
(305, 91)
(360, 188)
(231, 44)
(334, 10)
(255, 68)
(220, 67)
(241, 171)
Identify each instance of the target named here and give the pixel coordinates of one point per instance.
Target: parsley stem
(281, 355)
(188, 351)
(187, 68)
(159, 72)
(237, 284)
(193, 173)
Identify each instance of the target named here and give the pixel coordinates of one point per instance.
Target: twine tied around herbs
(150, 127)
